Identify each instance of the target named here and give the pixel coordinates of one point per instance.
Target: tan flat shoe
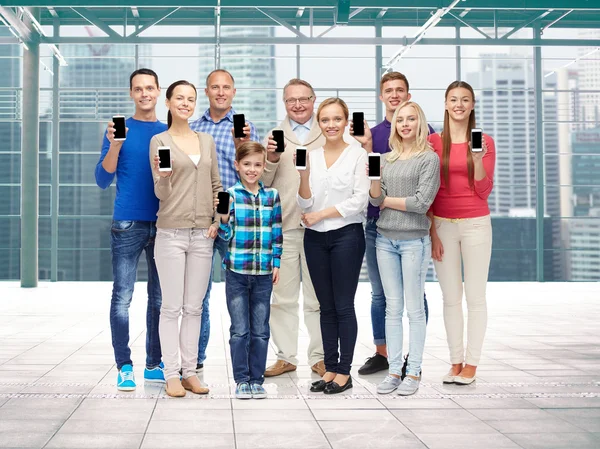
(278, 368)
(319, 368)
(193, 384)
(174, 388)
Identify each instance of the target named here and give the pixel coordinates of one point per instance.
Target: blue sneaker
(126, 379)
(258, 391)
(155, 375)
(242, 391)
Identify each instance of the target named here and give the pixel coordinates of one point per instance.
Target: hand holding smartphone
(164, 156)
(301, 154)
(239, 122)
(119, 125)
(279, 138)
(476, 140)
(358, 123)
(223, 206)
(374, 166)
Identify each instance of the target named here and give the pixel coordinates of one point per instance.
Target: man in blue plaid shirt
(217, 121)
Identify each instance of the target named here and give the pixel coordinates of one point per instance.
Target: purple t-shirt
(381, 144)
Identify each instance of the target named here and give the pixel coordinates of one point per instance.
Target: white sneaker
(408, 386)
(389, 384)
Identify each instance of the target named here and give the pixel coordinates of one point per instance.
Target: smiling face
(182, 102)
(407, 124)
(394, 93)
(459, 104)
(299, 103)
(220, 92)
(144, 92)
(333, 122)
(251, 168)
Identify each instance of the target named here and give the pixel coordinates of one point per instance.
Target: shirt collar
(241, 187)
(206, 116)
(307, 125)
(386, 123)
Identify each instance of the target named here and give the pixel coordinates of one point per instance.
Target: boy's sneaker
(374, 365)
(408, 386)
(155, 375)
(242, 391)
(258, 391)
(389, 384)
(126, 378)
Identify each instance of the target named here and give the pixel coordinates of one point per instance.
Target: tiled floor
(538, 385)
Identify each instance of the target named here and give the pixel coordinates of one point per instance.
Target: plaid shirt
(254, 231)
(221, 132)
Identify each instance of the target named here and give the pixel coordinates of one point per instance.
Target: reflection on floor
(538, 384)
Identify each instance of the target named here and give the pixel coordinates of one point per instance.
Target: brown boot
(174, 388)
(194, 385)
(278, 368)
(319, 368)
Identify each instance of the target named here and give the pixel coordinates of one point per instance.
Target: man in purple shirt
(393, 91)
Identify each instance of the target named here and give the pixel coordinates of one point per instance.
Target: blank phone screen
(358, 123)
(119, 127)
(165, 158)
(300, 158)
(476, 139)
(239, 121)
(223, 206)
(374, 166)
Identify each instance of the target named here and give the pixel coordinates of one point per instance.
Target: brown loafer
(319, 368)
(278, 368)
(193, 384)
(174, 388)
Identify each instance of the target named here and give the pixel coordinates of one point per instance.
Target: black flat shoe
(318, 386)
(334, 388)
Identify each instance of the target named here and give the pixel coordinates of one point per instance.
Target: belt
(451, 220)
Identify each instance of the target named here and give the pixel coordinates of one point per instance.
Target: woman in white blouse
(333, 194)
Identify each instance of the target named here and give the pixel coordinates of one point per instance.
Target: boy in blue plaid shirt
(253, 229)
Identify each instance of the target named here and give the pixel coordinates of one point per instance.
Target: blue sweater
(135, 199)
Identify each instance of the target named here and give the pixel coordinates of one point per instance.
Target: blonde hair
(334, 100)
(396, 142)
(298, 82)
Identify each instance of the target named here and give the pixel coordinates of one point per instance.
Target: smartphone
(223, 206)
(278, 137)
(301, 158)
(374, 166)
(239, 121)
(358, 123)
(164, 154)
(119, 125)
(476, 140)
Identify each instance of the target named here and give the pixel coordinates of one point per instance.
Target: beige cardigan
(187, 196)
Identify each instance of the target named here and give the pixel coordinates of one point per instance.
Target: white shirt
(302, 130)
(344, 185)
(195, 158)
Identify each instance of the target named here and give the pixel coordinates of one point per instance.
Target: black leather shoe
(334, 388)
(374, 365)
(318, 386)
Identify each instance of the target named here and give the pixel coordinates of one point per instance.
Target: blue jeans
(334, 259)
(127, 242)
(249, 306)
(403, 267)
(377, 293)
(220, 246)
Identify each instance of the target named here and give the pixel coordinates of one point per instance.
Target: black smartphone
(119, 125)
(164, 154)
(301, 158)
(374, 166)
(239, 121)
(278, 137)
(223, 206)
(476, 140)
(358, 123)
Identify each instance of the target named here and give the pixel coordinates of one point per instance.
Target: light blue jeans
(403, 266)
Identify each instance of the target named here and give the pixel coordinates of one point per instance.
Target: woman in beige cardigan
(185, 234)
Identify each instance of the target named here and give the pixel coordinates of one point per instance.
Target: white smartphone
(374, 166)
(164, 154)
(476, 140)
(301, 158)
(119, 121)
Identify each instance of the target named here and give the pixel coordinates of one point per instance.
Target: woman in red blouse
(462, 229)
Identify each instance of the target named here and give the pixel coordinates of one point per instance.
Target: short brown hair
(334, 100)
(391, 76)
(221, 71)
(298, 82)
(248, 148)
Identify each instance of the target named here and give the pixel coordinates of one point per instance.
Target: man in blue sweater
(134, 225)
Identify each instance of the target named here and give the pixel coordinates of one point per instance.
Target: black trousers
(334, 259)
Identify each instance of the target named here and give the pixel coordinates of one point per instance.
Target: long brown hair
(447, 138)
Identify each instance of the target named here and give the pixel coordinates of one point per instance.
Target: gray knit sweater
(416, 179)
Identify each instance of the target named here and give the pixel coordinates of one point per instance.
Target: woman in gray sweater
(409, 182)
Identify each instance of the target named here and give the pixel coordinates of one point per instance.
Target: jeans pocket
(122, 225)
(170, 233)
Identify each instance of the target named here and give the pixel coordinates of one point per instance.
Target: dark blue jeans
(220, 245)
(249, 306)
(377, 293)
(334, 259)
(128, 240)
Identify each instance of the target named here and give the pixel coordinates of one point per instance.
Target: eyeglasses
(301, 100)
